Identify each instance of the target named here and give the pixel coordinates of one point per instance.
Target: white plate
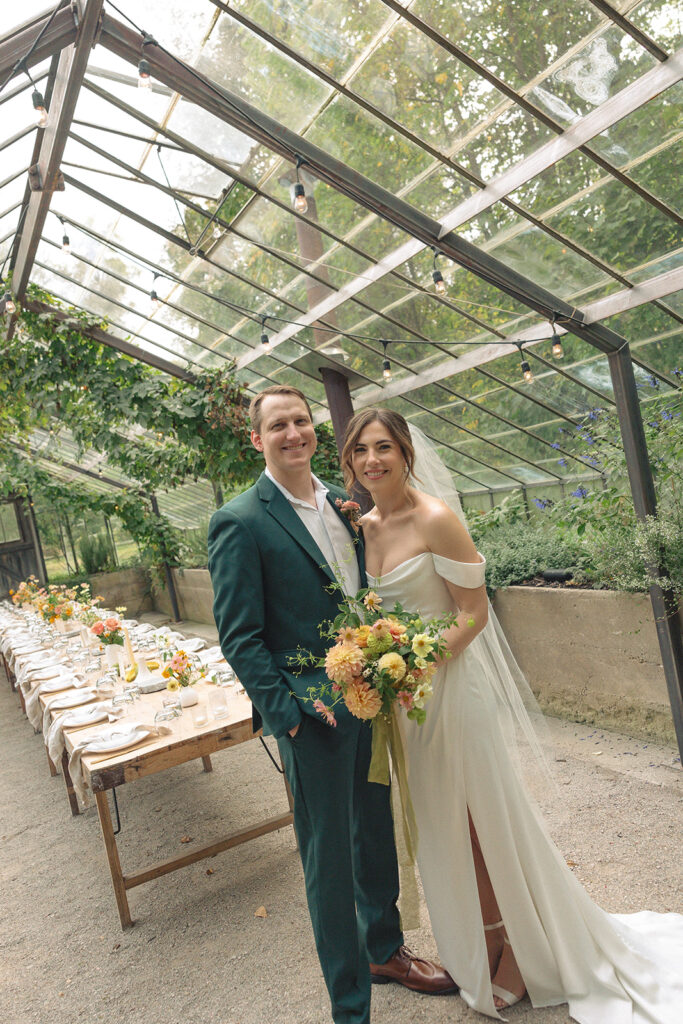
(72, 700)
(84, 716)
(61, 683)
(117, 738)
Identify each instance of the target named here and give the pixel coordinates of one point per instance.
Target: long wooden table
(186, 743)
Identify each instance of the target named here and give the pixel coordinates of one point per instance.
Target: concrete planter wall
(129, 587)
(195, 595)
(589, 655)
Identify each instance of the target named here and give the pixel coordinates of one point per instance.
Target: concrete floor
(197, 953)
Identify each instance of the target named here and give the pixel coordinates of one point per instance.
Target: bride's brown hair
(397, 429)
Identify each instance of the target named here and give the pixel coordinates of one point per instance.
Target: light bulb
(439, 283)
(154, 299)
(386, 371)
(526, 371)
(300, 202)
(10, 304)
(216, 231)
(265, 341)
(558, 351)
(145, 75)
(39, 107)
(66, 245)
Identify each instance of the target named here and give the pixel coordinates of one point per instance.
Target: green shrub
(97, 552)
(517, 552)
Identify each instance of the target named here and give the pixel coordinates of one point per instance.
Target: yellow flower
(343, 662)
(362, 634)
(421, 663)
(172, 685)
(347, 635)
(166, 673)
(422, 644)
(361, 700)
(423, 692)
(393, 664)
(372, 601)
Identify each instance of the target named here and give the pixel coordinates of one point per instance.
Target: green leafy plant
(97, 552)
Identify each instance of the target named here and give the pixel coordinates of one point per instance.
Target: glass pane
(508, 38)
(350, 134)
(662, 20)
(9, 525)
(332, 36)
(242, 62)
(615, 224)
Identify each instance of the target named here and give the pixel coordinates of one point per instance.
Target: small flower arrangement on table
(108, 631)
(26, 593)
(180, 672)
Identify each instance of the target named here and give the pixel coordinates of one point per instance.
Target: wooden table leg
(50, 764)
(206, 761)
(117, 878)
(70, 791)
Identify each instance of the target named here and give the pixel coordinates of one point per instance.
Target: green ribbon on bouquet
(386, 739)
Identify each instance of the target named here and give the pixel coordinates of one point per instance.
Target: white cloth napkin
(211, 656)
(192, 644)
(55, 735)
(48, 708)
(76, 769)
(33, 709)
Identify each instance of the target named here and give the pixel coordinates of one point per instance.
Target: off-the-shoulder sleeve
(462, 574)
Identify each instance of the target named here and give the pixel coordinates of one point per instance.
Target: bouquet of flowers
(108, 631)
(181, 672)
(378, 660)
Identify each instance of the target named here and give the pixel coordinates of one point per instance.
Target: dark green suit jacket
(269, 582)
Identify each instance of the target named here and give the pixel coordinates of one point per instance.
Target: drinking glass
(218, 703)
(200, 714)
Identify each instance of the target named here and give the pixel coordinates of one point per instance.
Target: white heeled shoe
(509, 998)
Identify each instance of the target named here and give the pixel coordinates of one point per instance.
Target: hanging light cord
(21, 64)
(177, 206)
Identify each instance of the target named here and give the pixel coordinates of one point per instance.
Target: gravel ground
(197, 953)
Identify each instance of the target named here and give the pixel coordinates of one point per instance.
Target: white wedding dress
(609, 968)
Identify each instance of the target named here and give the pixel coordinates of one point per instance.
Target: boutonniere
(351, 510)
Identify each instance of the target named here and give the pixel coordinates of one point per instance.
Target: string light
(144, 67)
(7, 304)
(66, 244)
(153, 297)
(387, 375)
(558, 351)
(265, 340)
(40, 108)
(437, 276)
(526, 369)
(300, 201)
(144, 74)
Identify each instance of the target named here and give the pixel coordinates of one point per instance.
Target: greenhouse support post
(170, 582)
(664, 606)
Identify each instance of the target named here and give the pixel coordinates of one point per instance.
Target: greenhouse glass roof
(543, 139)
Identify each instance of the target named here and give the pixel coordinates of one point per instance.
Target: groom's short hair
(275, 389)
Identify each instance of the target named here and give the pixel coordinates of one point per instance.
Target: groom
(270, 552)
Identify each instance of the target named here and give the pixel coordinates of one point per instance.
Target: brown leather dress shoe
(415, 973)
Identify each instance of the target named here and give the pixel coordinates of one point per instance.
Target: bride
(508, 915)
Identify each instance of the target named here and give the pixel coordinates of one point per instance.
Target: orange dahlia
(361, 700)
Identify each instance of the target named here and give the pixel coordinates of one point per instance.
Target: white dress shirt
(328, 532)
